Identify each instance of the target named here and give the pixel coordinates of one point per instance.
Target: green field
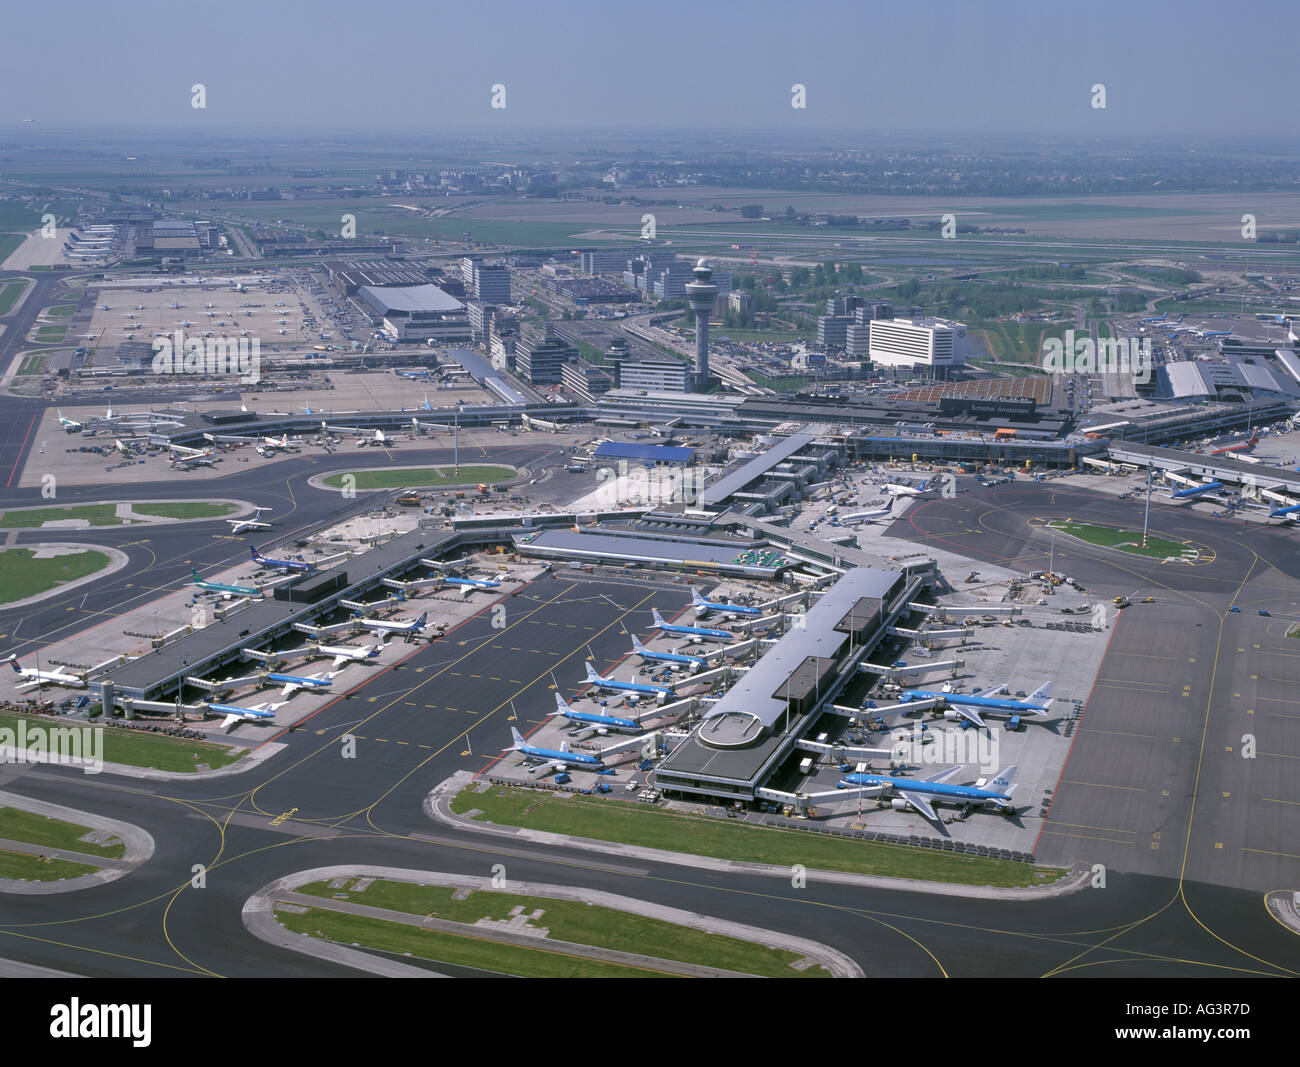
(22, 576)
(33, 364)
(139, 749)
(51, 333)
(451, 948)
(33, 829)
(1122, 540)
(183, 510)
(786, 383)
(62, 311)
(106, 514)
(1018, 342)
(422, 477)
(582, 924)
(34, 869)
(32, 518)
(10, 291)
(637, 824)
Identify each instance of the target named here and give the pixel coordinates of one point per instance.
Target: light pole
(1146, 515)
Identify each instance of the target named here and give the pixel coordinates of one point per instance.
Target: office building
(937, 345)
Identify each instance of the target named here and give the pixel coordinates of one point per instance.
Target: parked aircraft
(294, 682)
(235, 714)
(907, 490)
(695, 633)
(558, 759)
(410, 627)
(913, 792)
(869, 516)
(220, 587)
(637, 689)
(281, 564)
(703, 607)
(693, 663)
(969, 705)
(33, 677)
(601, 723)
(343, 654)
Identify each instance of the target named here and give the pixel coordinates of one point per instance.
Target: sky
(1183, 68)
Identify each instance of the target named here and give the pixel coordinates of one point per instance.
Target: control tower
(702, 294)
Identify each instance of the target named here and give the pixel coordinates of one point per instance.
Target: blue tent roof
(645, 453)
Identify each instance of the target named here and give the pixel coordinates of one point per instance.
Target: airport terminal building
(418, 313)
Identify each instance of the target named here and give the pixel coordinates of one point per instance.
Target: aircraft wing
(289, 690)
(992, 692)
(969, 714)
(230, 720)
(920, 804)
(340, 660)
(22, 687)
(943, 775)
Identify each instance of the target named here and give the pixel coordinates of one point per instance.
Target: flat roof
(409, 298)
(657, 453)
(654, 550)
(754, 469)
(817, 638)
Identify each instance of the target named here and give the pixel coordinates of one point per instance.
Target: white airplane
(184, 455)
(238, 526)
(410, 627)
(33, 677)
(343, 654)
(870, 516)
(69, 425)
(907, 490)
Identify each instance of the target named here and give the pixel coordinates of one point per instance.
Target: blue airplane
(293, 682)
(558, 759)
(912, 792)
(602, 722)
(963, 705)
(1285, 513)
(695, 633)
(703, 607)
(219, 587)
(637, 689)
(282, 564)
(1216, 333)
(474, 583)
(1196, 490)
(234, 714)
(693, 662)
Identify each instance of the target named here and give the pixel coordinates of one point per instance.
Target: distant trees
(751, 211)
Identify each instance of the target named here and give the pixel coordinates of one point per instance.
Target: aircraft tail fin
(424, 618)
(516, 737)
(637, 646)
(659, 619)
(561, 705)
(696, 599)
(13, 662)
(1001, 783)
(1040, 695)
(592, 676)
